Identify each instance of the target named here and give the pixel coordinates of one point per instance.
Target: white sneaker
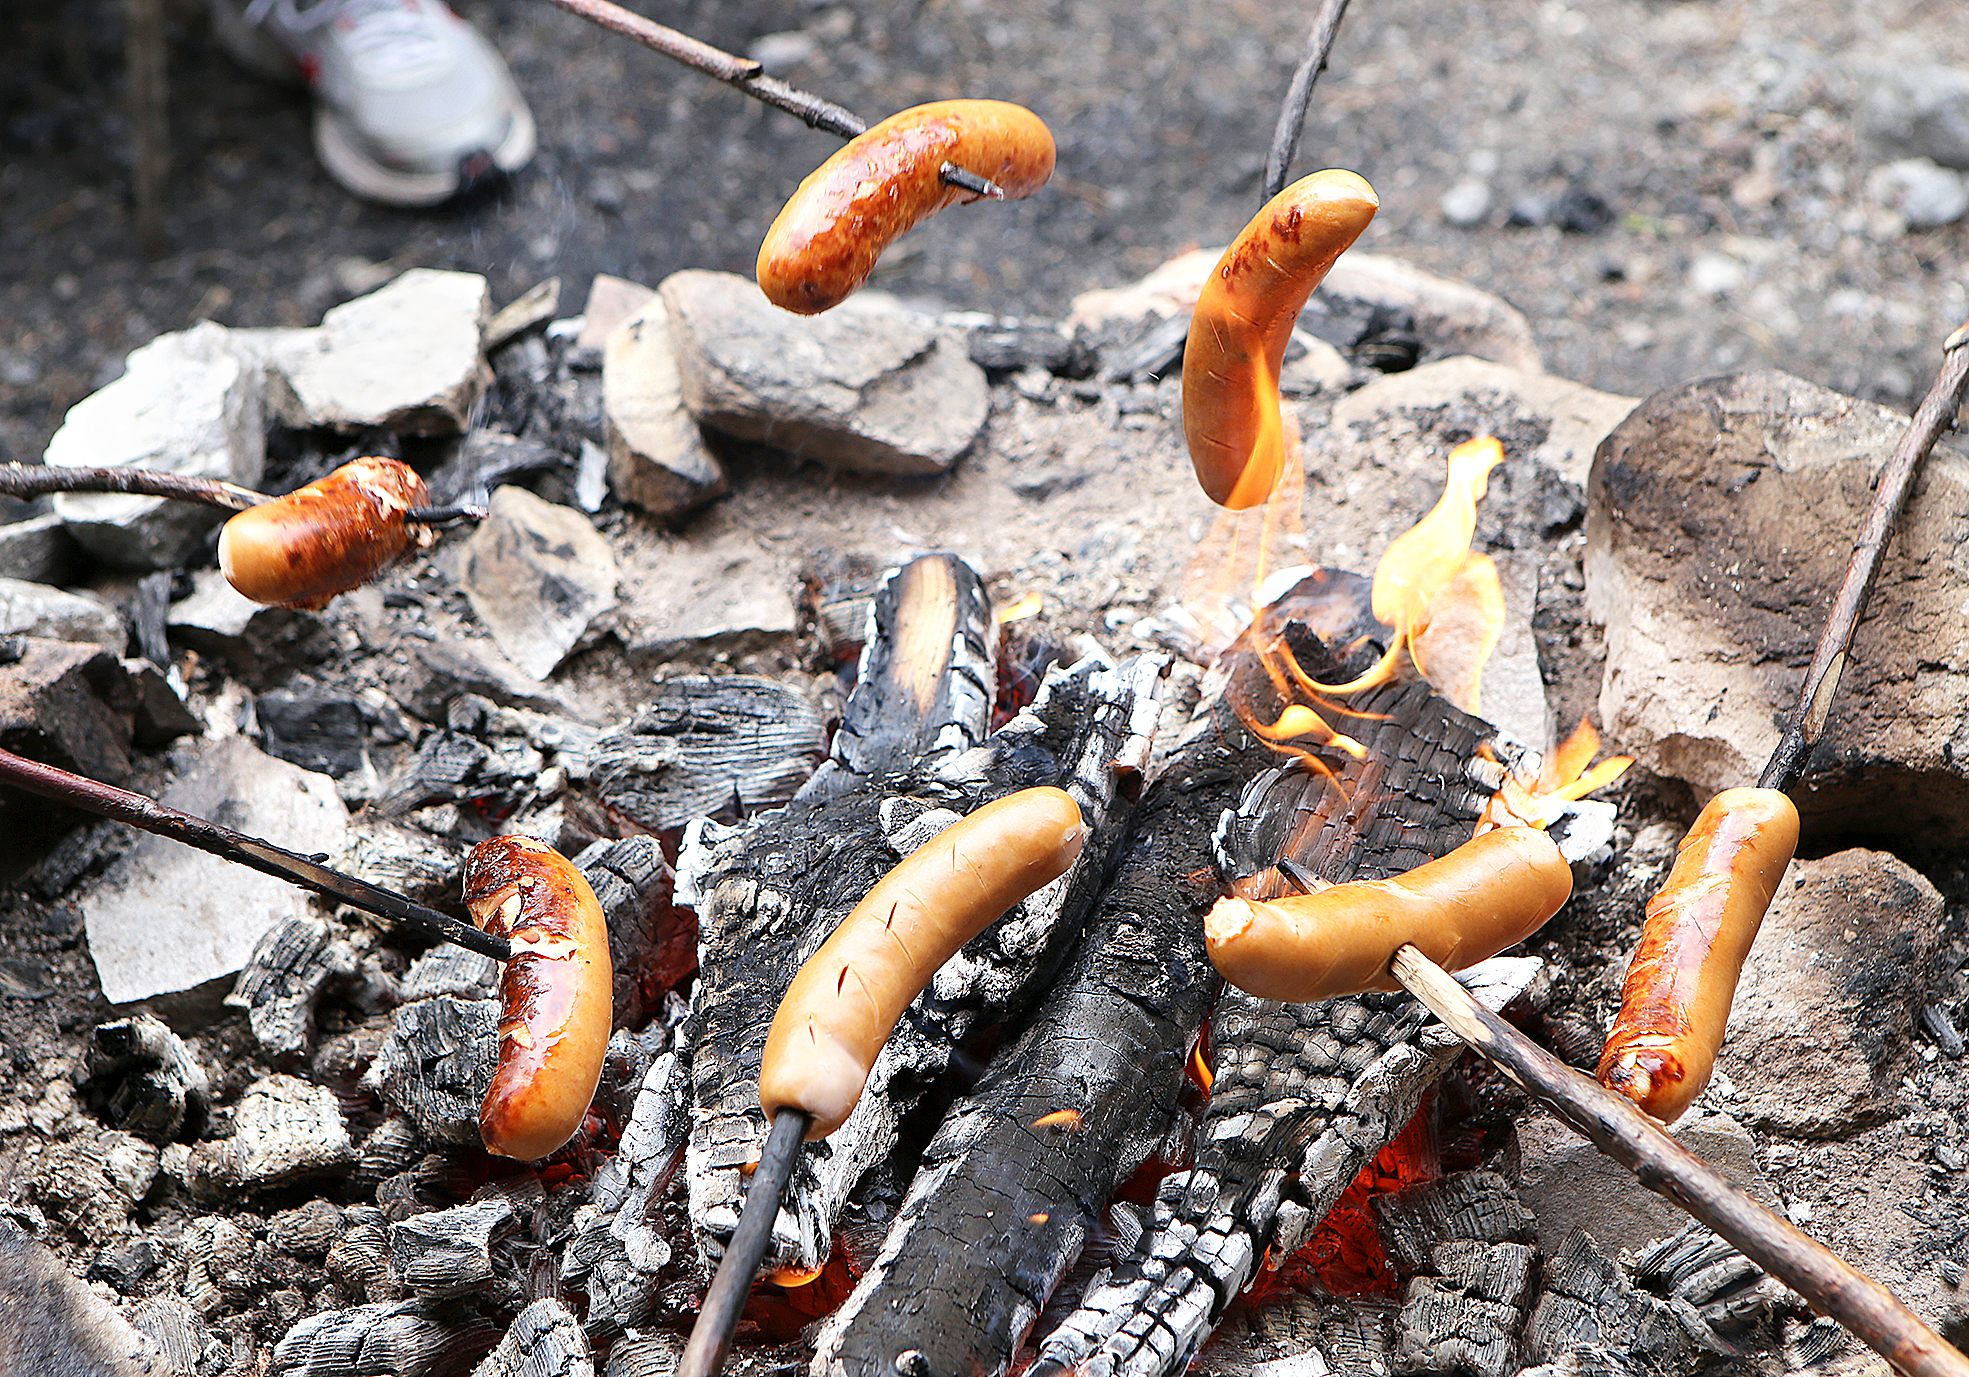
(412, 104)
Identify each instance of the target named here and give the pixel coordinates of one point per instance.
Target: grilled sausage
(555, 994)
(882, 184)
(1675, 1003)
(1244, 318)
(1458, 909)
(334, 534)
(844, 1003)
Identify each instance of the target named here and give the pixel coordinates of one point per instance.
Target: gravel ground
(1667, 189)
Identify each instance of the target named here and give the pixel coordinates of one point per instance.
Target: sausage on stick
(1675, 1003)
(556, 994)
(332, 535)
(1459, 909)
(1244, 318)
(884, 183)
(845, 1001)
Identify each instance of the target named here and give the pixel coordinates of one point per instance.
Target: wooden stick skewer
(148, 815)
(750, 77)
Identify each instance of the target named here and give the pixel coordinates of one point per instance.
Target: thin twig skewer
(1935, 415)
(1624, 1133)
(745, 75)
(711, 1336)
(1298, 95)
(35, 480)
(151, 816)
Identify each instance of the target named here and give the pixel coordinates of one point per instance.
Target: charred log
(407, 1339)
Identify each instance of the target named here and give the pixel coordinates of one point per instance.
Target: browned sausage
(882, 184)
(1458, 909)
(335, 534)
(844, 1003)
(1243, 320)
(1675, 1003)
(555, 994)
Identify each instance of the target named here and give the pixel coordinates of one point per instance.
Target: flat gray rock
(187, 404)
(36, 609)
(38, 549)
(1822, 1030)
(874, 391)
(168, 920)
(1720, 518)
(1568, 1183)
(657, 458)
(406, 358)
(537, 574)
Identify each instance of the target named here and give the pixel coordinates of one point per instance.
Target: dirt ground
(1685, 178)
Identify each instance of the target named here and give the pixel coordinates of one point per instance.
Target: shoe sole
(342, 154)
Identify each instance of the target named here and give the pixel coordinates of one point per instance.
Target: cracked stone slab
(657, 458)
(868, 389)
(187, 403)
(537, 574)
(406, 358)
(167, 920)
(1719, 522)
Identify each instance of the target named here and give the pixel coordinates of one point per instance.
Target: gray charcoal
(406, 860)
(284, 979)
(1474, 1206)
(634, 885)
(308, 1230)
(393, 1146)
(90, 1183)
(125, 1265)
(1499, 1272)
(545, 1340)
(317, 729)
(284, 1130)
(449, 1252)
(1442, 1330)
(451, 970)
(436, 1065)
(708, 746)
(186, 1345)
(359, 1260)
(144, 1080)
(218, 1263)
(405, 1339)
(1589, 1305)
(644, 1353)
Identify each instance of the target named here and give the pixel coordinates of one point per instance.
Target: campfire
(1080, 1149)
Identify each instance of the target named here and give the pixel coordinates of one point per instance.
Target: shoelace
(386, 33)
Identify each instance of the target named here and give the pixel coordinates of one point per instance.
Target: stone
(257, 642)
(162, 714)
(405, 358)
(92, 1182)
(1466, 202)
(1450, 317)
(35, 609)
(38, 548)
(1922, 193)
(718, 590)
(535, 306)
(538, 575)
(58, 704)
(1568, 1183)
(51, 1323)
(1720, 520)
(186, 404)
(657, 458)
(1549, 420)
(166, 920)
(1916, 109)
(1822, 1030)
(611, 301)
(443, 670)
(284, 1130)
(869, 390)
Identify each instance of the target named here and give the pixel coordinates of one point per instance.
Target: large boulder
(1721, 515)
